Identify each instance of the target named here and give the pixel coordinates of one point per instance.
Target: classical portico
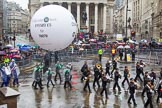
(96, 10)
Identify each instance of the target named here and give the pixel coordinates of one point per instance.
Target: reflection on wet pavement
(59, 97)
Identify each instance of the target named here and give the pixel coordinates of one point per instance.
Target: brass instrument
(98, 66)
(138, 86)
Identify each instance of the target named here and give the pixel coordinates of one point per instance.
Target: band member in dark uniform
(87, 79)
(108, 68)
(132, 88)
(147, 79)
(84, 70)
(149, 92)
(126, 75)
(159, 91)
(114, 67)
(116, 79)
(96, 75)
(104, 84)
(138, 72)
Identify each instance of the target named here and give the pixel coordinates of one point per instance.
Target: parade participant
(4, 77)
(126, 75)
(132, 87)
(108, 68)
(160, 73)
(8, 73)
(116, 79)
(96, 75)
(121, 54)
(67, 78)
(49, 74)
(14, 72)
(37, 78)
(69, 66)
(84, 70)
(147, 79)
(153, 76)
(138, 72)
(149, 91)
(100, 52)
(104, 85)
(87, 79)
(159, 91)
(36, 69)
(114, 63)
(58, 66)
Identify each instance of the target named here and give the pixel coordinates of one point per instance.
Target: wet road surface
(58, 97)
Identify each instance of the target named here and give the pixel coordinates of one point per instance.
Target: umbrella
(2, 53)
(127, 46)
(14, 50)
(9, 46)
(17, 56)
(120, 47)
(19, 45)
(144, 40)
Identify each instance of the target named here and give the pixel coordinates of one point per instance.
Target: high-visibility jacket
(100, 52)
(113, 51)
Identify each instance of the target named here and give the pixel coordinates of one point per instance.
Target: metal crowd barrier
(24, 62)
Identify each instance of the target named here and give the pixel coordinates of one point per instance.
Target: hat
(49, 68)
(12, 60)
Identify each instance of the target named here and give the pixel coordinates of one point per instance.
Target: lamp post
(126, 19)
(14, 38)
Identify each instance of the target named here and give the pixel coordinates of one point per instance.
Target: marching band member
(126, 75)
(84, 70)
(153, 75)
(149, 91)
(116, 79)
(49, 74)
(87, 79)
(96, 75)
(4, 77)
(159, 91)
(138, 72)
(108, 68)
(104, 84)
(147, 79)
(132, 87)
(58, 66)
(14, 73)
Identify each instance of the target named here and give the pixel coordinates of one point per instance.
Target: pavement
(59, 97)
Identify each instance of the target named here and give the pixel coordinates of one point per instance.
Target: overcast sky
(22, 3)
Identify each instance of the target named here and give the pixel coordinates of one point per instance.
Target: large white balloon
(53, 27)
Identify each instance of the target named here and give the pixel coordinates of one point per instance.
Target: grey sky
(22, 3)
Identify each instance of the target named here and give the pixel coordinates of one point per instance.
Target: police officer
(104, 84)
(49, 77)
(126, 75)
(100, 52)
(108, 68)
(116, 79)
(87, 79)
(96, 76)
(132, 88)
(149, 92)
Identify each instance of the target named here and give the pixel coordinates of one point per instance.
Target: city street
(58, 97)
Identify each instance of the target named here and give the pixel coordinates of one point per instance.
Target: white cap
(13, 60)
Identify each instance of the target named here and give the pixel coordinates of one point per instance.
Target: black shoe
(41, 88)
(35, 88)
(129, 103)
(48, 86)
(53, 85)
(135, 104)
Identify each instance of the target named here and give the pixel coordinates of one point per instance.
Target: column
(78, 15)
(87, 11)
(96, 18)
(69, 7)
(104, 18)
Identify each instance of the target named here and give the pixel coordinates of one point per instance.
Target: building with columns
(99, 12)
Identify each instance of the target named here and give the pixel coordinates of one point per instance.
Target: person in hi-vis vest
(113, 52)
(100, 52)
